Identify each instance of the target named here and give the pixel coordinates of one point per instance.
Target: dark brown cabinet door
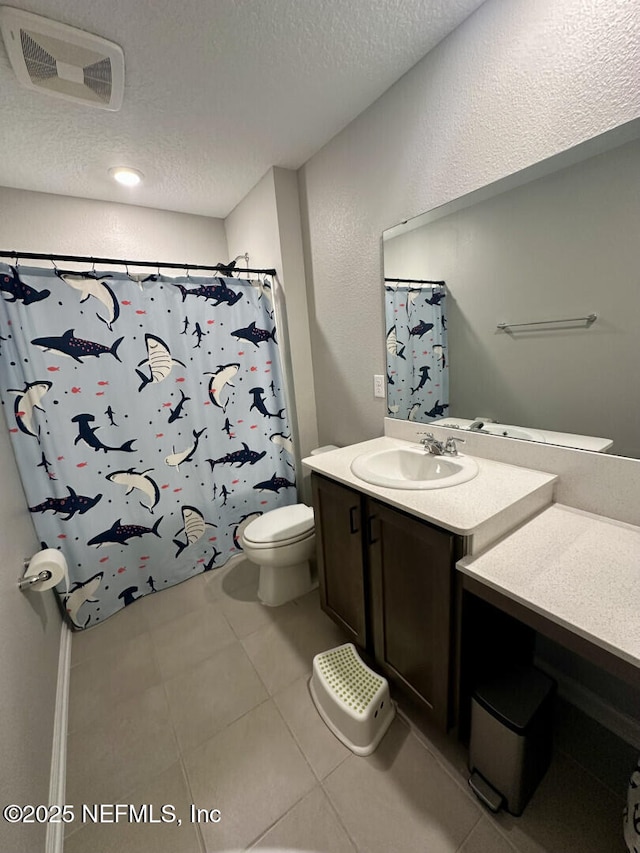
(339, 547)
(410, 564)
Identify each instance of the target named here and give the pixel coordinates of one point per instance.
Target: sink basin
(413, 468)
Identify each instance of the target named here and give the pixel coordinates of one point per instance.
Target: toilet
(281, 542)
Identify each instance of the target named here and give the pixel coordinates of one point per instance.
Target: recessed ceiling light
(126, 176)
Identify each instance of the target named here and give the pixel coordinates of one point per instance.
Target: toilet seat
(279, 527)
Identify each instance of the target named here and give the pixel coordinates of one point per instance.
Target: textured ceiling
(216, 92)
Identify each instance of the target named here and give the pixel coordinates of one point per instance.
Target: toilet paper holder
(27, 581)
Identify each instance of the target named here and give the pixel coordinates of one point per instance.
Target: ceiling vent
(63, 61)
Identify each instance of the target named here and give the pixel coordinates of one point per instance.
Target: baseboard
(55, 831)
(594, 706)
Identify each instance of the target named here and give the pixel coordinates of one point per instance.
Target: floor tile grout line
(438, 758)
(280, 817)
(200, 745)
(592, 776)
(251, 844)
(493, 821)
(272, 622)
(191, 664)
(333, 807)
(319, 781)
(435, 753)
(158, 773)
(176, 743)
(304, 757)
(200, 836)
(307, 677)
(136, 693)
(472, 830)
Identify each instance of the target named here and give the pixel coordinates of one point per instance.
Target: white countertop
(580, 570)
(499, 498)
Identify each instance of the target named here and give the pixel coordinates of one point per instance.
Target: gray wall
(29, 639)
(518, 82)
(562, 246)
(30, 624)
(266, 224)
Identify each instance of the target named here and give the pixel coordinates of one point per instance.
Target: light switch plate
(378, 385)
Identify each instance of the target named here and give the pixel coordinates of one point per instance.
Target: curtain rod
(158, 264)
(415, 281)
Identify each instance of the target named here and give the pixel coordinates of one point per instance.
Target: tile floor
(199, 695)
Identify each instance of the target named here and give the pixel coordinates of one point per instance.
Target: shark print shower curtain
(148, 420)
(417, 371)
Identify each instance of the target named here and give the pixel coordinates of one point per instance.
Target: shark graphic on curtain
(148, 420)
(417, 369)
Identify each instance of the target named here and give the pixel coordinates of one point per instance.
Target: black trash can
(511, 737)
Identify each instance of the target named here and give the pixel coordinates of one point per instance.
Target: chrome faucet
(477, 426)
(440, 448)
(432, 445)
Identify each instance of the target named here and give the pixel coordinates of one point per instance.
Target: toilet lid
(280, 525)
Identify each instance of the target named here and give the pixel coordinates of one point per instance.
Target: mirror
(527, 261)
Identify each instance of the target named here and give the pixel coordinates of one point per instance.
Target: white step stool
(353, 700)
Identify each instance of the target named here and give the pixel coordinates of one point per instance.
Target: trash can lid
(514, 696)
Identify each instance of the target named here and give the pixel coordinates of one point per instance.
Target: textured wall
(266, 224)
(30, 624)
(40, 222)
(29, 639)
(516, 83)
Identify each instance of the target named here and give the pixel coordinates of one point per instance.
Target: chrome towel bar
(589, 320)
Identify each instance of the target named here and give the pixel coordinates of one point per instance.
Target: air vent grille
(59, 60)
(40, 64)
(98, 78)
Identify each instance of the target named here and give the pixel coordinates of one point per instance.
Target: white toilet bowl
(281, 542)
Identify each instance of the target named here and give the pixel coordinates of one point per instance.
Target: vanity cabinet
(411, 566)
(387, 579)
(341, 563)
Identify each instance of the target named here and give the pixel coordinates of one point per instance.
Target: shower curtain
(148, 420)
(417, 368)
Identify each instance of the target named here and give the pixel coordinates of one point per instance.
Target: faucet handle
(451, 446)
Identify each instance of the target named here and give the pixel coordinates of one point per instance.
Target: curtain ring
(93, 266)
(54, 265)
(188, 273)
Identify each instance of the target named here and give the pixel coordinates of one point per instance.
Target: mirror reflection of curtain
(417, 356)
